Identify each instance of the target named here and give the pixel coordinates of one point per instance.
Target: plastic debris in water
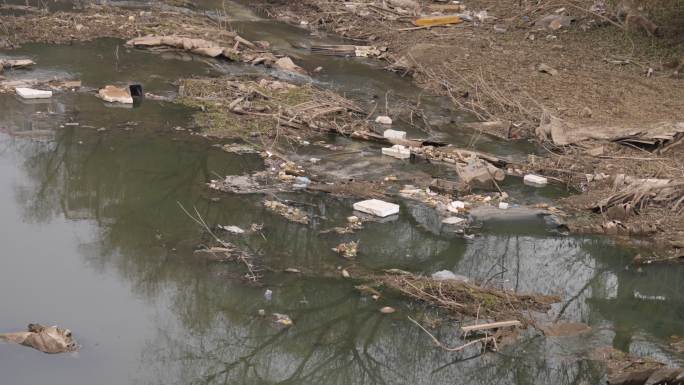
(282, 319)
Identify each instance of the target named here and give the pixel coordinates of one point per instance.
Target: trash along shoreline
(578, 142)
(622, 181)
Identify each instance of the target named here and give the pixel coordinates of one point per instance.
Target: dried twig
(484, 340)
(227, 248)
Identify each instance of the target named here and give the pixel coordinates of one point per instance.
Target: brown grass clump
(247, 106)
(466, 299)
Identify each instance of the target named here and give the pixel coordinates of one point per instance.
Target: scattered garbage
(394, 134)
(232, 229)
(535, 180)
(386, 120)
(480, 174)
(353, 223)
(545, 68)
(453, 221)
(346, 274)
(437, 20)
(445, 186)
(30, 93)
(397, 151)
(196, 46)
(291, 213)
(292, 270)
(368, 290)
(503, 205)
(237, 148)
(446, 275)
(282, 320)
(348, 50)
(405, 4)
(387, 310)
(268, 294)
(348, 249)
(136, 91)
(490, 326)
(651, 136)
(261, 312)
(242, 184)
(113, 94)
(15, 63)
(51, 339)
(554, 22)
(286, 64)
(377, 207)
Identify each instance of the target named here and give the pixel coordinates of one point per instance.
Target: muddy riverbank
(592, 61)
(151, 299)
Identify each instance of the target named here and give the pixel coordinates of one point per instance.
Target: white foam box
(394, 134)
(397, 151)
(30, 93)
(535, 180)
(377, 207)
(453, 221)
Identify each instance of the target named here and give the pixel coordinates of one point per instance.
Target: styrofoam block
(394, 134)
(377, 207)
(386, 120)
(397, 151)
(535, 180)
(30, 93)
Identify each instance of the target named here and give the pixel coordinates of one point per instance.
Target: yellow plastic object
(437, 20)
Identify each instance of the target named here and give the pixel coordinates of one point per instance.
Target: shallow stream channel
(94, 239)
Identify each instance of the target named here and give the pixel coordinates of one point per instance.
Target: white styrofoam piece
(397, 151)
(30, 93)
(386, 120)
(503, 205)
(394, 134)
(377, 207)
(535, 180)
(114, 94)
(453, 221)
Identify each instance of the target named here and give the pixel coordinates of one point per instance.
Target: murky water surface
(94, 239)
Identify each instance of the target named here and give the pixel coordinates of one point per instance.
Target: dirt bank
(515, 63)
(492, 64)
(98, 21)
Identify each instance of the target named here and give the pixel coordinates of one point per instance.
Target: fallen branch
(230, 251)
(483, 340)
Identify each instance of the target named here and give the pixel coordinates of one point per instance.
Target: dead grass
(98, 21)
(494, 74)
(237, 107)
(465, 299)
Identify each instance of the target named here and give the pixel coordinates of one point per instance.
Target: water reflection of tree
(343, 340)
(129, 187)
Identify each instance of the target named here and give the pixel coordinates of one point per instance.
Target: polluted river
(100, 204)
